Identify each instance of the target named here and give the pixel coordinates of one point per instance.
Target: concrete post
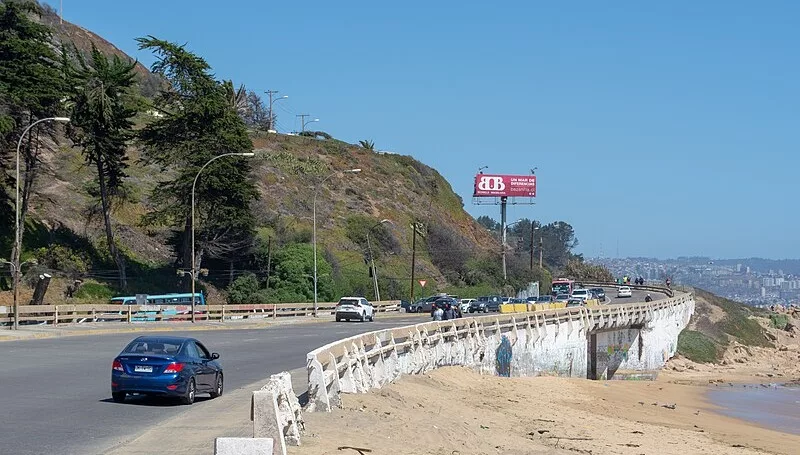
(264, 412)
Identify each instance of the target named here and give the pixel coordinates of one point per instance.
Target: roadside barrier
(65, 314)
(362, 362)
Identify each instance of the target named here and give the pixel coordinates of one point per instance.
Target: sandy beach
(456, 411)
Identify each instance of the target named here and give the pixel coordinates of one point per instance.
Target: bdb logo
(491, 184)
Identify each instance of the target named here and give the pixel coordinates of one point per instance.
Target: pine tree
(101, 100)
(200, 122)
(31, 88)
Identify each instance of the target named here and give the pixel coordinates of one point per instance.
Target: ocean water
(773, 406)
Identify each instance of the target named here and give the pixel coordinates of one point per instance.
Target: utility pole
(541, 250)
(413, 257)
(532, 233)
(303, 121)
(271, 115)
(415, 230)
(269, 259)
(61, 12)
(271, 112)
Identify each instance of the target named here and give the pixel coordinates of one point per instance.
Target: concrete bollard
(243, 446)
(266, 424)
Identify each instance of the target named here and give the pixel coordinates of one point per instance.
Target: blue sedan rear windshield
(152, 347)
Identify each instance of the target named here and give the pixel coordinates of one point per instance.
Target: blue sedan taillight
(173, 368)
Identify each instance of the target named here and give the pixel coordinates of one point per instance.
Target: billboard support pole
(503, 201)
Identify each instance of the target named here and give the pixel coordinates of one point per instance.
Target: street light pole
(303, 121)
(372, 260)
(194, 183)
(505, 230)
(314, 230)
(271, 116)
(17, 233)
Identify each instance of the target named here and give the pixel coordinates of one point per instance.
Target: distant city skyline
(667, 127)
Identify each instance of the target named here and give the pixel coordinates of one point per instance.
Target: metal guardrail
(332, 368)
(65, 314)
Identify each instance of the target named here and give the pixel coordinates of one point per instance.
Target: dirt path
(455, 411)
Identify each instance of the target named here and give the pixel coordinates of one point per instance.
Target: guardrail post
(274, 311)
(222, 319)
(55, 317)
(130, 316)
(94, 316)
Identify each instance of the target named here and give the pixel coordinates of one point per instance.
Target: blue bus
(164, 299)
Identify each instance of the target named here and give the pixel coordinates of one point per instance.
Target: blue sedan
(166, 366)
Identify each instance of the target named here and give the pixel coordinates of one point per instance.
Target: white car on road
(354, 308)
(624, 291)
(582, 294)
(464, 305)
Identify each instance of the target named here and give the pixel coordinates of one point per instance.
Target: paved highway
(55, 393)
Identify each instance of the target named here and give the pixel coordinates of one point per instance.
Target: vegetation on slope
(718, 322)
(254, 218)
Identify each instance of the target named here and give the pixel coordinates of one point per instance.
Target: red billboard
(505, 185)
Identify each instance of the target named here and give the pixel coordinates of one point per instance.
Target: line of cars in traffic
(492, 303)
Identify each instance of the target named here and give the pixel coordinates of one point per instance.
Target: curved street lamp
(372, 260)
(194, 263)
(314, 235)
(305, 123)
(17, 233)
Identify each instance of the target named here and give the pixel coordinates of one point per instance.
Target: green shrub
(778, 321)
(63, 259)
(95, 291)
(697, 347)
(244, 290)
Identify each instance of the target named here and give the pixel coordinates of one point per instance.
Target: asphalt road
(55, 394)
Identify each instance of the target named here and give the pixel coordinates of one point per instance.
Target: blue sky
(667, 129)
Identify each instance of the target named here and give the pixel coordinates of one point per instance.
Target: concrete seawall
(609, 342)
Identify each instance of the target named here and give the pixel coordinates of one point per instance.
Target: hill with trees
(106, 198)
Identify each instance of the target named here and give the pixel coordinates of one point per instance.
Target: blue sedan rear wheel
(218, 387)
(191, 391)
(118, 397)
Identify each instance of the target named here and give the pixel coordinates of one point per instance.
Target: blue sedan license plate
(143, 369)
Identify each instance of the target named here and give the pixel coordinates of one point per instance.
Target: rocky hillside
(722, 331)
(64, 230)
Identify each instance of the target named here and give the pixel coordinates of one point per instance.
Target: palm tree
(367, 144)
(237, 98)
(100, 96)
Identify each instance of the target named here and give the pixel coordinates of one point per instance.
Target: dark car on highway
(600, 292)
(545, 299)
(166, 366)
(486, 304)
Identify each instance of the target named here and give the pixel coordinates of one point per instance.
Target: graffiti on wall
(503, 354)
(618, 352)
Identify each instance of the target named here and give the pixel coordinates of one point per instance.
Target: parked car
(600, 292)
(424, 305)
(354, 308)
(561, 298)
(405, 305)
(624, 291)
(581, 294)
(485, 304)
(576, 302)
(545, 299)
(465, 304)
(166, 366)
